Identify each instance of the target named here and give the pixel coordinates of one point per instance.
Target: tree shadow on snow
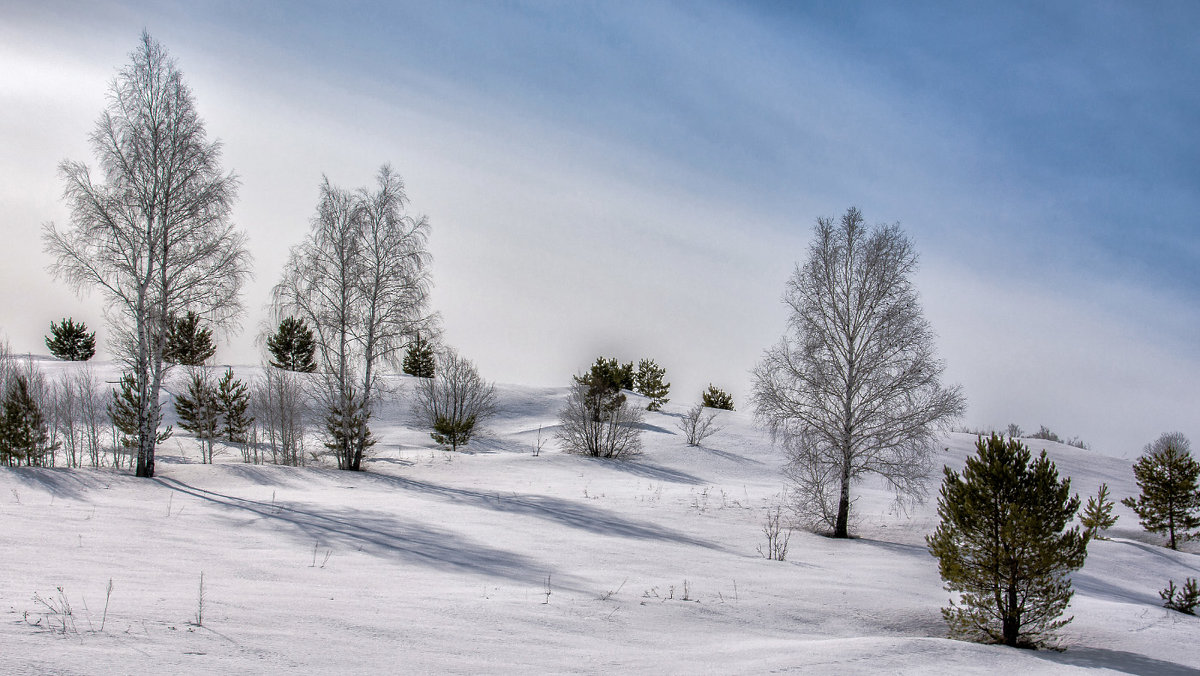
(645, 470)
(1118, 660)
(62, 482)
(726, 455)
(570, 513)
(386, 535)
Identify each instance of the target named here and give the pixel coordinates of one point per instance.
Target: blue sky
(639, 179)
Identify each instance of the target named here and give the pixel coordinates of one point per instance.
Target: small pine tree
(123, 412)
(1003, 544)
(612, 374)
(293, 347)
(419, 358)
(1184, 600)
(233, 401)
(70, 341)
(715, 397)
(649, 383)
(188, 343)
(1097, 515)
(24, 434)
(348, 432)
(1168, 476)
(199, 411)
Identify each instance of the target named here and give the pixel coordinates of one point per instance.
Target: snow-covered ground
(497, 561)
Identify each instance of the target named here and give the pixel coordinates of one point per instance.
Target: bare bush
(777, 536)
(697, 424)
(455, 401)
(280, 403)
(599, 422)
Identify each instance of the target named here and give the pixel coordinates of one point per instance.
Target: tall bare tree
(855, 389)
(361, 281)
(153, 233)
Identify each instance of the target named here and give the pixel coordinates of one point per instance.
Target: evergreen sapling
(649, 383)
(1004, 545)
(1168, 476)
(1098, 514)
(419, 358)
(292, 347)
(188, 342)
(70, 341)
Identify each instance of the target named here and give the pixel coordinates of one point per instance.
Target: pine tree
(24, 434)
(1183, 599)
(1003, 544)
(188, 343)
(123, 411)
(233, 400)
(199, 411)
(348, 431)
(649, 383)
(292, 347)
(715, 397)
(70, 341)
(419, 358)
(1097, 515)
(1168, 476)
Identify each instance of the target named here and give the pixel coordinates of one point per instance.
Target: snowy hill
(497, 561)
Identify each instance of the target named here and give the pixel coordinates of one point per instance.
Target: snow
(496, 561)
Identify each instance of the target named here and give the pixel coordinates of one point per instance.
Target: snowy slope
(497, 561)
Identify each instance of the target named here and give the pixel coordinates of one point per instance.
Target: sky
(639, 180)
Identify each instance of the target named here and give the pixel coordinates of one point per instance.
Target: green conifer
(24, 435)
(188, 342)
(649, 383)
(199, 411)
(348, 432)
(1168, 476)
(1004, 545)
(419, 358)
(715, 397)
(1097, 515)
(70, 341)
(233, 401)
(292, 347)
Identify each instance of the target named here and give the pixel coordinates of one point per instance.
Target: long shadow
(732, 457)
(386, 535)
(654, 428)
(555, 510)
(647, 471)
(1117, 660)
(62, 482)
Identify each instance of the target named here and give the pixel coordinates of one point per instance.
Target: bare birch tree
(361, 281)
(855, 389)
(153, 232)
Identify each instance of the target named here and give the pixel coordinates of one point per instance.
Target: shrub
(280, 403)
(649, 383)
(698, 425)
(455, 400)
(70, 341)
(1168, 477)
(598, 421)
(1004, 546)
(715, 397)
(1045, 434)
